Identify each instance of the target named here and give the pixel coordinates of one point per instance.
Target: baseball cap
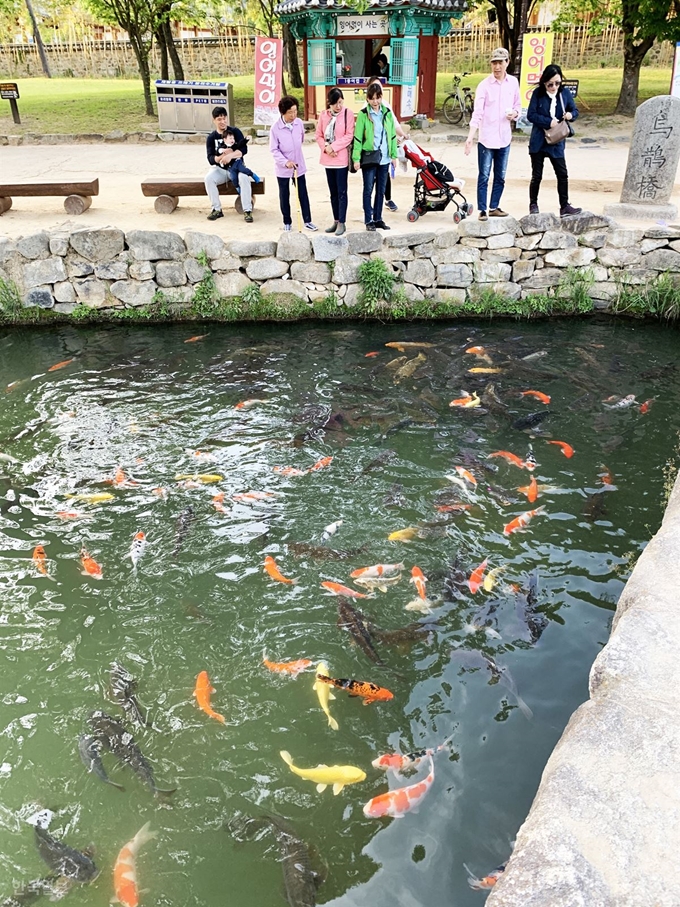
(500, 54)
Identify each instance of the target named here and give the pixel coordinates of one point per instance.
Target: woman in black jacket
(549, 104)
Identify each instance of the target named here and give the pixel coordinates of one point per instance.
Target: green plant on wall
(377, 283)
(206, 297)
(659, 298)
(10, 301)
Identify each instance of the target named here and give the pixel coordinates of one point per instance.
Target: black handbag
(369, 159)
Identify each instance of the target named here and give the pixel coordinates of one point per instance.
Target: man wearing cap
(497, 104)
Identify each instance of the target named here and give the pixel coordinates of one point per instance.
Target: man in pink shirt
(497, 104)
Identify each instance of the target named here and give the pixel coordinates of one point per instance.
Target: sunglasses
(555, 82)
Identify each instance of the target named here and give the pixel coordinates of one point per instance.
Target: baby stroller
(435, 185)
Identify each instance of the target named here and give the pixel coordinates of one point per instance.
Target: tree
(290, 49)
(166, 42)
(512, 17)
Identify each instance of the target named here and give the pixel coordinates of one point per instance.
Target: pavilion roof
(441, 7)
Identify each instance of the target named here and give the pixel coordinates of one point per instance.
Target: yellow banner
(537, 50)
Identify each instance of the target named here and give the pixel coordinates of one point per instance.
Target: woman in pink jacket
(334, 135)
(285, 143)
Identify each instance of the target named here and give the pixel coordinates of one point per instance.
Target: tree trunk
(290, 45)
(177, 67)
(142, 52)
(38, 40)
(633, 55)
(163, 51)
(520, 27)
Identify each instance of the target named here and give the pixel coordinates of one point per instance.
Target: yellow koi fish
(207, 478)
(491, 577)
(479, 370)
(403, 345)
(98, 498)
(323, 775)
(403, 535)
(323, 691)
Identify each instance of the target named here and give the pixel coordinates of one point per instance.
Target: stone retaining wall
(106, 268)
(604, 829)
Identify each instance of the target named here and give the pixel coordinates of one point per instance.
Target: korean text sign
(268, 73)
(537, 50)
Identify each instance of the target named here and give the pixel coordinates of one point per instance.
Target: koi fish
(544, 398)
(607, 477)
(623, 403)
(218, 503)
(644, 408)
(40, 560)
(120, 480)
(202, 692)
(271, 568)
(419, 580)
(90, 566)
(196, 338)
(477, 577)
(400, 762)
(396, 803)
(160, 492)
(481, 370)
(530, 490)
(125, 870)
(331, 529)
(402, 346)
(522, 520)
(339, 589)
(492, 577)
(452, 508)
(323, 775)
(369, 692)
(244, 404)
(468, 401)
(464, 474)
(98, 498)
(253, 496)
(321, 464)
(485, 882)
(480, 352)
(137, 549)
(371, 355)
(509, 457)
(403, 535)
(377, 571)
(382, 583)
(55, 368)
(286, 667)
(289, 471)
(205, 478)
(69, 515)
(324, 694)
(530, 460)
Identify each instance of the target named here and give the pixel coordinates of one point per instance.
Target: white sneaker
(311, 227)
(287, 227)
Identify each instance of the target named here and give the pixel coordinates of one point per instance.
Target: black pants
(337, 186)
(388, 187)
(284, 198)
(560, 168)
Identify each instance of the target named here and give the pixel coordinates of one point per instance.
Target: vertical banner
(675, 80)
(537, 50)
(268, 78)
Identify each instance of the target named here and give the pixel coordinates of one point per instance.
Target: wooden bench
(78, 195)
(167, 192)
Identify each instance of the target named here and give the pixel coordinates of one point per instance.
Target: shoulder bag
(372, 158)
(562, 131)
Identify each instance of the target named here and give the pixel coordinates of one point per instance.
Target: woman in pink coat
(334, 135)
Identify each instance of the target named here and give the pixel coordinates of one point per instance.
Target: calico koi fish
(202, 692)
(477, 577)
(137, 549)
(339, 589)
(321, 464)
(323, 775)
(324, 694)
(487, 881)
(196, 338)
(90, 566)
(467, 402)
(245, 404)
(55, 368)
(125, 870)
(530, 461)
(566, 449)
(623, 403)
(369, 692)
(400, 762)
(522, 520)
(403, 535)
(544, 398)
(377, 571)
(286, 667)
(218, 503)
(508, 457)
(396, 803)
(530, 490)
(464, 474)
(271, 568)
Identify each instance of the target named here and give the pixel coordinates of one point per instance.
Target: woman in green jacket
(374, 134)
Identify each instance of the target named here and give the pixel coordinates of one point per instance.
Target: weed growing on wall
(206, 297)
(670, 471)
(377, 283)
(10, 301)
(659, 299)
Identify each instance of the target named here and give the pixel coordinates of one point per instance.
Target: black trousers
(388, 187)
(284, 198)
(559, 166)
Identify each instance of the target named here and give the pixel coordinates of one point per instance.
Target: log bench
(78, 195)
(167, 192)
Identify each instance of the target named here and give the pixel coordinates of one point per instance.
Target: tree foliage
(511, 17)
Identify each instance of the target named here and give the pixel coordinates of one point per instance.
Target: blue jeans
(499, 158)
(374, 177)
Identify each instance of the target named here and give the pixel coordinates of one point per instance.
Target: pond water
(146, 401)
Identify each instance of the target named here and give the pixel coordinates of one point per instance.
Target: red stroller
(435, 185)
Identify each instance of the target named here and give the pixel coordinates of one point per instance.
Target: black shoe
(483, 215)
(371, 226)
(381, 225)
(248, 217)
(533, 208)
(215, 214)
(569, 211)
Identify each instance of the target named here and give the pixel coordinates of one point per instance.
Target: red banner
(268, 78)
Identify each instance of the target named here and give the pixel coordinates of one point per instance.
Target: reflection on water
(311, 446)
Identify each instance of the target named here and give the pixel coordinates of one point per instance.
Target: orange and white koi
(522, 520)
(202, 692)
(396, 803)
(644, 407)
(55, 368)
(371, 355)
(622, 403)
(403, 345)
(137, 549)
(530, 490)
(321, 464)
(160, 492)
(253, 496)
(40, 560)
(477, 577)
(69, 515)
(377, 571)
(419, 580)
(487, 881)
(331, 529)
(286, 667)
(480, 352)
(289, 471)
(566, 449)
(509, 457)
(468, 401)
(606, 477)
(218, 503)
(272, 569)
(544, 398)
(120, 480)
(339, 589)
(400, 762)
(125, 870)
(245, 404)
(369, 692)
(90, 566)
(464, 474)
(196, 338)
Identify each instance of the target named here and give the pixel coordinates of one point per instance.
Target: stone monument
(652, 162)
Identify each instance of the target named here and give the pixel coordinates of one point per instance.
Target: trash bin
(187, 106)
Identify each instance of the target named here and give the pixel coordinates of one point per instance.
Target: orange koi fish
(69, 515)
(467, 402)
(452, 508)
(480, 352)
(196, 338)
(399, 762)
(644, 407)
(246, 403)
(522, 520)
(55, 368)
(397, 803)
(377, 571)
(253, 496)
(40, 560)
(510, 457)
(289, 471)
(90, 566)
(120, 480)
(485, 882)
(125, 870)
(369, 692)
(606, 476)
(371, 355)
(286, 667)
(419, 581)
(566, 449)
(464, 474)
(321, 464)
(530, 490)
(339, 589)
(218, 503)
(544, 398)
(271, 568)
(477, 578)
(160, 492)
(202, 692)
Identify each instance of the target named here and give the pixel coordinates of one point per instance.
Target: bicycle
(460, 103)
